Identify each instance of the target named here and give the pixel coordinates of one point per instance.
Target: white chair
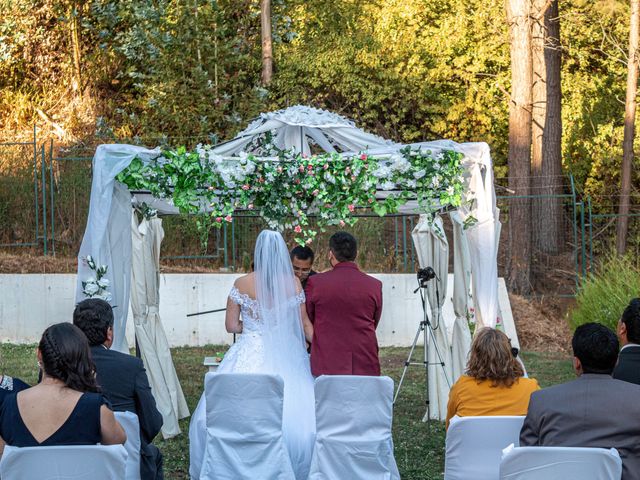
(560, 463)
(77, 462)
(353, 429)
(474, 446)
(131, 425)
(244, 428)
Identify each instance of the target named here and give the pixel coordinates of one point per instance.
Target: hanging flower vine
(288, 188)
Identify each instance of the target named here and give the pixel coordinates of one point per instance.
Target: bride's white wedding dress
(247, 355)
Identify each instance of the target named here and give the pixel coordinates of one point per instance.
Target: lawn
(419, 447)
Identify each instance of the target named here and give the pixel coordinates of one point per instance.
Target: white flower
(388, 185)
(243, 155)
(412, 184)
(450, 190)
(91, 288)
(329, 178)
(419, 174)
(104, 283)
(382, 171)
(399, 163)
(106, 296)
(435, 182)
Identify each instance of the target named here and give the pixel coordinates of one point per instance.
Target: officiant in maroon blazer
(344, 305)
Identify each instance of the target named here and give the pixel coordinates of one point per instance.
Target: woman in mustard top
(494, 382)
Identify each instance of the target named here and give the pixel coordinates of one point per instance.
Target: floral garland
(96, 286)
(288, 188)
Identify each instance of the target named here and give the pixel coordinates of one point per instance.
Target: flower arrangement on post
(97, 286)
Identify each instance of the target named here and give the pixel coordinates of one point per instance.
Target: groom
(344, 305)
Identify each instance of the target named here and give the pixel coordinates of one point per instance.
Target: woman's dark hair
(66, 356)
(94, 317)
(491, 358)
(344, 246)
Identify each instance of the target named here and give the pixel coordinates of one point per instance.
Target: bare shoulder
(246, 284)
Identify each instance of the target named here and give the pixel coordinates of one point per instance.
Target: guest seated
(628, 366)
(494, 382)
(593, 411)
(66, 407)
(123, 380)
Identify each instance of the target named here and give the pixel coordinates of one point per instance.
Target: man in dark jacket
(123, 380)
(628, 366)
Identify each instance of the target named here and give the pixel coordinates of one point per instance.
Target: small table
(212, 362)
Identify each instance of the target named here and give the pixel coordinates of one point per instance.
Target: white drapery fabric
(152, 340)
(461, 335)
(432, 249)
(107, 237)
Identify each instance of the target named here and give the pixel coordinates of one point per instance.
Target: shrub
(605, 293)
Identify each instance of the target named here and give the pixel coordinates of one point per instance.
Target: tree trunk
(267, 48)
(74, 36)
(629, 128)
(519, 260)
(546, 160)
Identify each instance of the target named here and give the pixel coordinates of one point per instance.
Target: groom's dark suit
(344, 306)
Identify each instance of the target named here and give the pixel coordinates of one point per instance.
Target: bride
(267, 307)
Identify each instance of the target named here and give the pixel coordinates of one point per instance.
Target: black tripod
(427, 330)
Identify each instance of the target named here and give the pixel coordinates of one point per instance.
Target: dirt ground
(540, 322)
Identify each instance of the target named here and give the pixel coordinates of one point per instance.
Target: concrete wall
(31, 302)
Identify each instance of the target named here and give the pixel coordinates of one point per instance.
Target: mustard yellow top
(469, 398)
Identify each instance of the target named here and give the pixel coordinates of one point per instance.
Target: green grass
(419, 447)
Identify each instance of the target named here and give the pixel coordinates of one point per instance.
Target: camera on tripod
(425, 274)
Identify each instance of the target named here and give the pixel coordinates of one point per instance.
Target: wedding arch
(288, 166)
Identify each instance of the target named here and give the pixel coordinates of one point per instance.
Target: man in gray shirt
(594, 410)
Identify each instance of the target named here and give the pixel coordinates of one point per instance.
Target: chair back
(131, 425)
(64, 462)
(244, 427)
(560, 463)
(474, 445)
(353, 428)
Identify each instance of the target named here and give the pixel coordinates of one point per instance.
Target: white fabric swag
(152, 340)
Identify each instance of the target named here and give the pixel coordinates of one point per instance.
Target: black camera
(426, 274)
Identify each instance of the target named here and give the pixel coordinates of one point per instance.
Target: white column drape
(432, 249)
(107, 235)
(461, 336)
(152, 340)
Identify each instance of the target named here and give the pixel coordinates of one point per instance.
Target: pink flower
(309, 167)
(347, 170)
(298, 229)
(246, 186)
(218, 219)
(351, 207)
(308, 242)
(301, 168)
(315, 192)
(211, 188)
(353, 178)
(250, 207)
(279, 169)
(342, 224)
(228, 218)
(297, 182)
(371, 200)
(363, 156)
(325, 166)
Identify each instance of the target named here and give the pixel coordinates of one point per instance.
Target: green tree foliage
(406, 69)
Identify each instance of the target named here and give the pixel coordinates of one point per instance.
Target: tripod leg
(408, 362)
(427, 414)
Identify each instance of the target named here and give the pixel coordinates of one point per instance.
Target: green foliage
(287, 189)
(606, 293)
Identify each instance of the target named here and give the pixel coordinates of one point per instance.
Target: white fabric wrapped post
(64, 462)
(106, 237)
(565, 463)
(433, 251)
(244, 428)
(461, 336)
(474, 446)
(152, 340)
(483, 239)
(353, 436)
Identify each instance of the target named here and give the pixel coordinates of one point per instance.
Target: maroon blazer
(344, 306)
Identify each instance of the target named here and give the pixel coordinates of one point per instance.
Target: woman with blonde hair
(494, 382)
